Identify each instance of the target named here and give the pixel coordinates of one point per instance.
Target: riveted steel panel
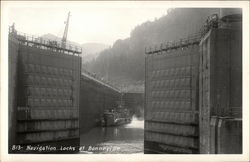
(48, 96)
(171, 97)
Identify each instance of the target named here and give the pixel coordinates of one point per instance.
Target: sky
(99, 22)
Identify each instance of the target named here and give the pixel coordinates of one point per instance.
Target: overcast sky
(100, 22)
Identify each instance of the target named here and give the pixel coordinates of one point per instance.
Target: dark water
(125, 139)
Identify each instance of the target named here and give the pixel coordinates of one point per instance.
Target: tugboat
(115, 117)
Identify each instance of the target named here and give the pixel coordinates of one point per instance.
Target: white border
(124, 157)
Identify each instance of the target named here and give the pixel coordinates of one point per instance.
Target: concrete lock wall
(47, 98)
(225, 135)
(95, 97)
(220, 87)
(12, 72)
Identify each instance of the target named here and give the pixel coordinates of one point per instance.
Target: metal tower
(64, 38)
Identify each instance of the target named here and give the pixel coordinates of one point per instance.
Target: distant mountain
(51, 37)
(89, 50)
(58, 39)
(94, 47)
(124, 61)
(92, 50)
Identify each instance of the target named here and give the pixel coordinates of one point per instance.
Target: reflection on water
(111, 140)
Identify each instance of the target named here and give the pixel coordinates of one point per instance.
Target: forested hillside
(123, 63)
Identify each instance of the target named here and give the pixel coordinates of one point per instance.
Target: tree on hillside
(126, 57)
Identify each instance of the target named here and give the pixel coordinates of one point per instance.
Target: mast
(64, 38)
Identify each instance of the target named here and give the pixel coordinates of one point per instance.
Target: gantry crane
(64, 38)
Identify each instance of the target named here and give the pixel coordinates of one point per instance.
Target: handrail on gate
(39, 42)
(212, 21)
(99, 79)
(184, 42)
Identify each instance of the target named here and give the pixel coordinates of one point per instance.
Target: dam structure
(51, 99)
(44, 82)
(193, 90)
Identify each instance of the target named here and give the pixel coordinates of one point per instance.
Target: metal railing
(190, 40)
(44, 43)
(101, 80)
(212, 21)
